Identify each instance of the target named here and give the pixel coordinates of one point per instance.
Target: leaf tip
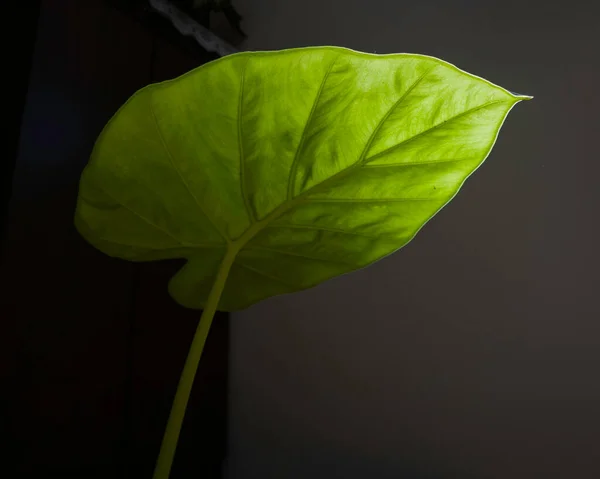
(520, 97)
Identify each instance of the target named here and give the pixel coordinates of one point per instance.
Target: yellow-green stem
(186, 381)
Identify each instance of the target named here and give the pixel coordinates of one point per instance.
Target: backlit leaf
(309, 163)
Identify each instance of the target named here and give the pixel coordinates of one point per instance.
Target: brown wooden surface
(91, 347)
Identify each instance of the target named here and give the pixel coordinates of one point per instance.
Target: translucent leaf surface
(304, 164)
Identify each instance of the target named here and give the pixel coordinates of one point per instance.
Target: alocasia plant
(271, 172)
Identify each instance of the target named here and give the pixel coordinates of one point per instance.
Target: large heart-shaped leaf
(292, 167)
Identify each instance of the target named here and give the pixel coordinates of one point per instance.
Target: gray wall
(474, 352)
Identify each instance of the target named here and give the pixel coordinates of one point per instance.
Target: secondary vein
(174, 165)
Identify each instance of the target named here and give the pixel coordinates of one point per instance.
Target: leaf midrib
(249, 233)
(258, 225)
(303, 197)
(254, 229)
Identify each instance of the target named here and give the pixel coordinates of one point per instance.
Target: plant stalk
(186, 381)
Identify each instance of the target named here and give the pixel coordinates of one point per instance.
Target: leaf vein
(371, 138)
(173, 164)
(331, 230)
(167, 248)
(266, 275)
(143, 218)
(249, 210)
(373, 135)
(434, 127)
(368, 200)
(294, 167)
(414, 163)
(288, 253)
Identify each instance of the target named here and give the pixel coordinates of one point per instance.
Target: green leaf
(301, 164)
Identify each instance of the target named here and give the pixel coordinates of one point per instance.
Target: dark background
(91, 348)
(473, 352)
